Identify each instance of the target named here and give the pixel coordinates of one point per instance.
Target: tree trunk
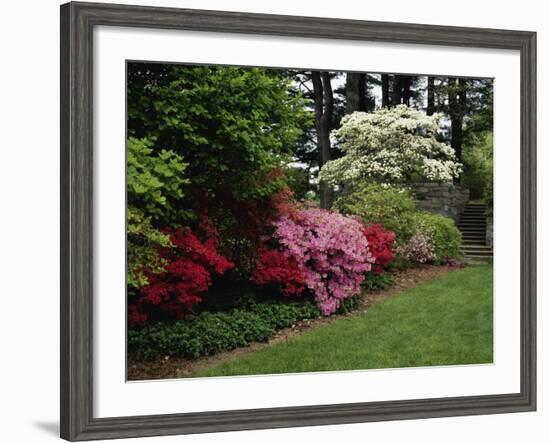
(355, 92)
(406, 90)
(431, 96)
(457, 103)
(462, 88)
(397, 90)
(324, 104)
(385, 91)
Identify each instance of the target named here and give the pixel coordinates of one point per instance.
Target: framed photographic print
(273, 221)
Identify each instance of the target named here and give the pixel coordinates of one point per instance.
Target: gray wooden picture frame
(77, 23)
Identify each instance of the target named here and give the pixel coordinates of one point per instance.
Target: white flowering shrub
(391, 145)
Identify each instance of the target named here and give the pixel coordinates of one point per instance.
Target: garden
(274, 223)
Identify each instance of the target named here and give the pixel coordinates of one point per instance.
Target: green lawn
(446, 321)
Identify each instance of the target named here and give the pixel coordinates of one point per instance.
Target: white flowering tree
(391, 145)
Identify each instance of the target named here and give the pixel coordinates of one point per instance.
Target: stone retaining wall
(441, 198)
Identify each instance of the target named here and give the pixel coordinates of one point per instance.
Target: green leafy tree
(468, 104)
(155, 183)
(233, 126)
(143, 243)
(298, 181)
(478, 165)
(235, 129)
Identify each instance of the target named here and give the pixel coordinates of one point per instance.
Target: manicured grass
(446, 321)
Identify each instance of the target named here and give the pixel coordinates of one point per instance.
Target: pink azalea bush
(330, 251)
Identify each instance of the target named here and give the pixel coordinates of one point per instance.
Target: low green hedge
(394, 208)
(235, 324)
(391, 206)
(443, 233)
(208, 333)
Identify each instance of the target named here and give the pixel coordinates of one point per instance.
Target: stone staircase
(473, 225)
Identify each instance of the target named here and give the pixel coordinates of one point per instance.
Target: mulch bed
(173, 367)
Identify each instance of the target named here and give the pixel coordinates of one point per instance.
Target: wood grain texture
(77, 22)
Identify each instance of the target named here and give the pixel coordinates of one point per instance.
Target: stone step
(472, 225)
(480, 221)
(477, 255)
(474, 242)
(477, 247)
(476, 252)
(472, 217)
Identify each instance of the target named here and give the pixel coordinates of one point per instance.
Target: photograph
(287, 220)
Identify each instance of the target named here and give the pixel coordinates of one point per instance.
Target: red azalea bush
(274, 266)
(380, 245)
(186, 275)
